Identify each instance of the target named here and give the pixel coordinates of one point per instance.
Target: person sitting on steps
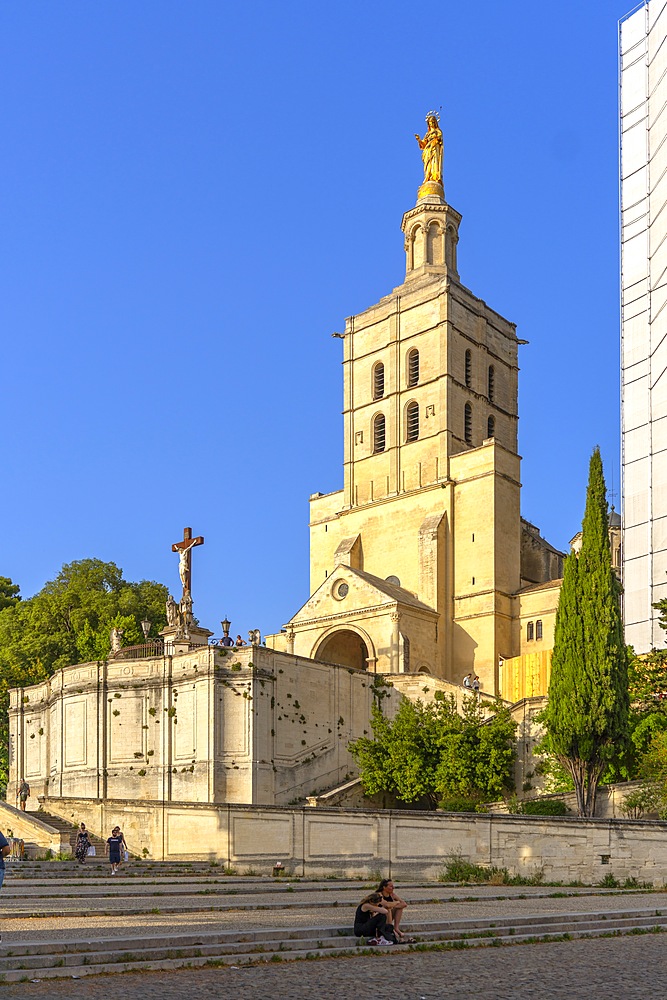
(395, 905)
(370, 921)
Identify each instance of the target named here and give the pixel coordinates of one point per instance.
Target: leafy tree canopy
(9, 593)
(67, 622)
(428, 752)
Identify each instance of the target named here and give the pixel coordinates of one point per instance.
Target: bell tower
(429, 509)
(431, 231)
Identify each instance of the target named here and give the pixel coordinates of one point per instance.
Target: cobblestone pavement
(89, 928)
(626, 968)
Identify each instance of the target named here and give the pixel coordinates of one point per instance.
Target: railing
(218, 642)
(156, 648)
(147, 649)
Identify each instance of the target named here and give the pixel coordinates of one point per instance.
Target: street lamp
(226, 625)
(145, 628)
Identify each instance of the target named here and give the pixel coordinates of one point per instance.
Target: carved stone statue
(184, 564)
(432, 149)
(116, 637)
(186, 609)
(172, 611)
(254, 637)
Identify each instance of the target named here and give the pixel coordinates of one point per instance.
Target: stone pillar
(395, 658)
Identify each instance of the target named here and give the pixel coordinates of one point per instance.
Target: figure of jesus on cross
(184, 550)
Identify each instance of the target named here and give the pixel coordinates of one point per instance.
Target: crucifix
(184, 550)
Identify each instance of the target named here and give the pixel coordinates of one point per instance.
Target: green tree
(9, 593)
(427, 752)
(67, 622)
(587, 711)
(653, 770)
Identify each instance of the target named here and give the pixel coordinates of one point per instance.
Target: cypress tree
(587, 711)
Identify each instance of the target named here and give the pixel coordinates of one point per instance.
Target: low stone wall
(37, 835)
(402, 844)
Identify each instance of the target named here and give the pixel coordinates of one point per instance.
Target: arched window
(378, 381)
(530, 631)
(492, 383)
(469, 369)
(413, 367)
(491, 427)
(412, 421)
(379, 437)
(538, 628)
(468, 423)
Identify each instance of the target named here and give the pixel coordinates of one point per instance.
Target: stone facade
(251, 726)
(422, 561)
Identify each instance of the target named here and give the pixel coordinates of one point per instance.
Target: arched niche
(346, 647)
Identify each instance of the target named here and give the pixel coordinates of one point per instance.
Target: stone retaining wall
(37, 835)
(351, 842)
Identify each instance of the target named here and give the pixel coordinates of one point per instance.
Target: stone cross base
(176, 642)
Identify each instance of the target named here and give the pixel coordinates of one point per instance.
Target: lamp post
(145, 628)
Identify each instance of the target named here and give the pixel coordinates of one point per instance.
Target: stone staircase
(69, 831)
(166, 915)
(45, 959)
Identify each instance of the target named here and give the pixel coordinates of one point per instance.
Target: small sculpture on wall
(116, 637)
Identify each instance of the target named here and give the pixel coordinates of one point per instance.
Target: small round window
(340, 590)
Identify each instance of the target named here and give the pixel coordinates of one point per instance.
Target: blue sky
(194, 196)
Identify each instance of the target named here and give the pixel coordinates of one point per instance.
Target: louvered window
(468, 423)
(378, 381)
(491, 427)
(413, 367)
(469, 369)
(492, 383)
(412, 420)
(379, 437)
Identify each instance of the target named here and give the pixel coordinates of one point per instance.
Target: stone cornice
(428, 208)
(386, 609)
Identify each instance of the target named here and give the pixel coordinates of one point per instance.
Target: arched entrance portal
(345, 648)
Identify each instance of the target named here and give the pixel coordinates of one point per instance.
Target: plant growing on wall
(587, 712)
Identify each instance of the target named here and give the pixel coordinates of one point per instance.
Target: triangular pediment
(348, 591)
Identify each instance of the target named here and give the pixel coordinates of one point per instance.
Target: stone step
(133, 904)
(455, 927)
(75, 959)
(68, 828)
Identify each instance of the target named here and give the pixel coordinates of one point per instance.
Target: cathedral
(422, 561)
(421, 566)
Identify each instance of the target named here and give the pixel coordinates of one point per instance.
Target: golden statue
(432, 153)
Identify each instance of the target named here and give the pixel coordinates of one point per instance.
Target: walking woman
(82, 844)
(370, 921)
(113, 846)
(124, 853)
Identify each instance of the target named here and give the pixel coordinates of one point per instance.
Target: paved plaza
(622, 968)
(66, 927)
